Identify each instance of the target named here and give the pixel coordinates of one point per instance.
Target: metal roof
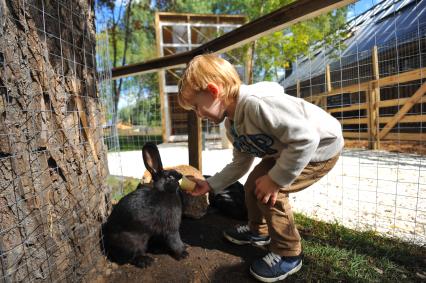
(387, 23)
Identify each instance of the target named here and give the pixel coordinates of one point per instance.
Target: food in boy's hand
(186, 184)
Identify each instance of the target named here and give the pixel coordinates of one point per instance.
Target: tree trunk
(53, 193)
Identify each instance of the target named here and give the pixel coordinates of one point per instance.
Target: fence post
(373, 98)
(328, 86)
(194, 140)
(161, 79)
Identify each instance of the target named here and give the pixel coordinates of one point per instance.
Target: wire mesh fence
(60, 117)
(367, 79)
(373, 84)
(52, 153)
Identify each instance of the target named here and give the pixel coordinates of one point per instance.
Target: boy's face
(208, 105)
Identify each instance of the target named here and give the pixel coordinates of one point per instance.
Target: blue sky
(359, 7)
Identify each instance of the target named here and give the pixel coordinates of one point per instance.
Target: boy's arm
(241, 163)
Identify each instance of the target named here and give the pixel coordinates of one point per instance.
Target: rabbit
(230, 202)
(193, 207)
(144, 213)
(186, 170)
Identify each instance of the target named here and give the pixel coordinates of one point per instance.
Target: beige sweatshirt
(270, 123)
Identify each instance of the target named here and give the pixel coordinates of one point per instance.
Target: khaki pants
(277, 221)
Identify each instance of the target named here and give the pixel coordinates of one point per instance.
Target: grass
(135, 142)
(333, 253)
(121, 186)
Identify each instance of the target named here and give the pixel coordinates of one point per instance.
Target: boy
(297, 141)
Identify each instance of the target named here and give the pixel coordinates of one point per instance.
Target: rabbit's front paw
(182, 255)
(142, 261)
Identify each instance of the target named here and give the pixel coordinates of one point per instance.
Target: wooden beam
(391, 136)
(360, 106)
(382, 104)
(161, 80)
(406, 137)
(356, 135)
(236, 17)
(279, 19)
(401, 113)
(249, 64)
(347, 89)
(398, 101)
(405, 119)
(194, 140)
(328, 86)
(373, 97)
(373, 116)
(354, 121)
(328, 78)
(375, 63)
(183, 41)
(409, 76)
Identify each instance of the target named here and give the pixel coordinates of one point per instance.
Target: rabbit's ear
(152, 159)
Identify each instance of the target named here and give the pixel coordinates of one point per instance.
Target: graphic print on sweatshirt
(258, 145)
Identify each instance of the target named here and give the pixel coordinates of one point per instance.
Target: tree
(53, 167)
(277, 51)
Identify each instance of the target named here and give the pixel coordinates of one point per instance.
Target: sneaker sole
(282, 277)
(238, 242)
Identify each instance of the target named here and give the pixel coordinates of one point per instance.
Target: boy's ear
(213, 89)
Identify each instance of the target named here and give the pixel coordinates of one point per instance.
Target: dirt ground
(211, 258)
(417, 147)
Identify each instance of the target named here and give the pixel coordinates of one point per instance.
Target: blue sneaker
(241, 235)
(273, 267)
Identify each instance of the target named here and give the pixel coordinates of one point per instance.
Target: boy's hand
(201, 187)
(266, 190)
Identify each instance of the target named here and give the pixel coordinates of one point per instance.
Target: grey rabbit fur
(144, 213)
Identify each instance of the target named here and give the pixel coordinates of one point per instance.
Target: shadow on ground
(332, 254)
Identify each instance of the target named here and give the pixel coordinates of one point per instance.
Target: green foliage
(136, 142)
(273, 53)
(143, 112)
(121, 186)
(280, 49)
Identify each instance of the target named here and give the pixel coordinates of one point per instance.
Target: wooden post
(328, 86)
(370, 125)
(161, 79)
(328, 77)
(373, 100)
(249, 62)
(194, 140)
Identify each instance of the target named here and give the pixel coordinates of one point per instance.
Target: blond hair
(205, 69)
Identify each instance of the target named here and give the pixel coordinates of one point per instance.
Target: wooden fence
(379, 127)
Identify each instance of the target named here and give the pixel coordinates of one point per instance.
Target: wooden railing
(373, 104)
